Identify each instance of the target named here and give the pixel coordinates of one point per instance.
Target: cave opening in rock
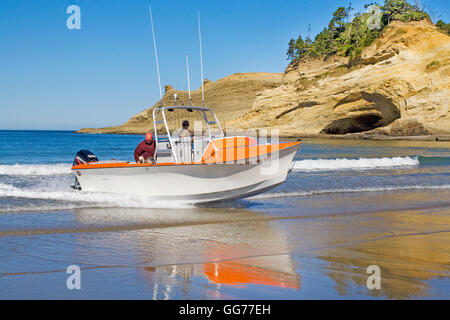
(353, 125)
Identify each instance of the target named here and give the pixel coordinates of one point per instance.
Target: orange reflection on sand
(236, 273)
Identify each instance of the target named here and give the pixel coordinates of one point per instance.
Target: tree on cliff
(392, 8)
(444, 27)
(338, 20)
(349, 38)
(297, 48)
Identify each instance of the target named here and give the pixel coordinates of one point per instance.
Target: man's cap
(149, 136)
(185, 123)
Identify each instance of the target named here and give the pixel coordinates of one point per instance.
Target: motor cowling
(84, 156)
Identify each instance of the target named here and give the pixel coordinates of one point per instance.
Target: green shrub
(444, 27)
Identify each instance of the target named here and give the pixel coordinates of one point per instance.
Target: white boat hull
(192, 183)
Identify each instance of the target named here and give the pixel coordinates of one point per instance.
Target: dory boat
(209, 167)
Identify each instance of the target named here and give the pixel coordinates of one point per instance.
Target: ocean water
(346, 205)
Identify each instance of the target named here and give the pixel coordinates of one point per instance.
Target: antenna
(189, 83)
(201, 59)
(156, 55)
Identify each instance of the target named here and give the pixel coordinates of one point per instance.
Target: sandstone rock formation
(400, 86)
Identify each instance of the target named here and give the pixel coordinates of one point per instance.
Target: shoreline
(318, 136)
(376, 137)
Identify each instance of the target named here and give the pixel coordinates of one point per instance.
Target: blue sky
(55, 78)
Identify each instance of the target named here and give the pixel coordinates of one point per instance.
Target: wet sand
(316, 246)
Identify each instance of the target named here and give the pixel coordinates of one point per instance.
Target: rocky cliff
(399, 87)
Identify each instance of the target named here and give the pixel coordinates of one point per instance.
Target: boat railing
(183, 149)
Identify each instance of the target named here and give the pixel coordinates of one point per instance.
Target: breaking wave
(299, 165)
(71, 199)
(353, 164)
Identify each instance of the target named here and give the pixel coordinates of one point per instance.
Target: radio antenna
(201, 59)
(189, 83)
(156, 56)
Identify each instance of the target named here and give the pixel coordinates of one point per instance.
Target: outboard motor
(84, 156)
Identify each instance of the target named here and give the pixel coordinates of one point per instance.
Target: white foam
(6, 187)
(82, 199)
(349, 164)
(35, 169)
(349, 190)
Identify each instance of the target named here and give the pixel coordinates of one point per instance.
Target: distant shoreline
(350, 136)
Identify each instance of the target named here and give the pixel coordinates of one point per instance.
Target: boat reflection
(253, 271)
(225, 247)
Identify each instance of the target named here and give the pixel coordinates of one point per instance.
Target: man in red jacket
(145, 151)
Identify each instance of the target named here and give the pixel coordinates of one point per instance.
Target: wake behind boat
(208, 167)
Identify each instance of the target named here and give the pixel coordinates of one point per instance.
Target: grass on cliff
(349, 38)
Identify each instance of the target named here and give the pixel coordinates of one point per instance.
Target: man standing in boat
(184, 131)
(145, 151)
